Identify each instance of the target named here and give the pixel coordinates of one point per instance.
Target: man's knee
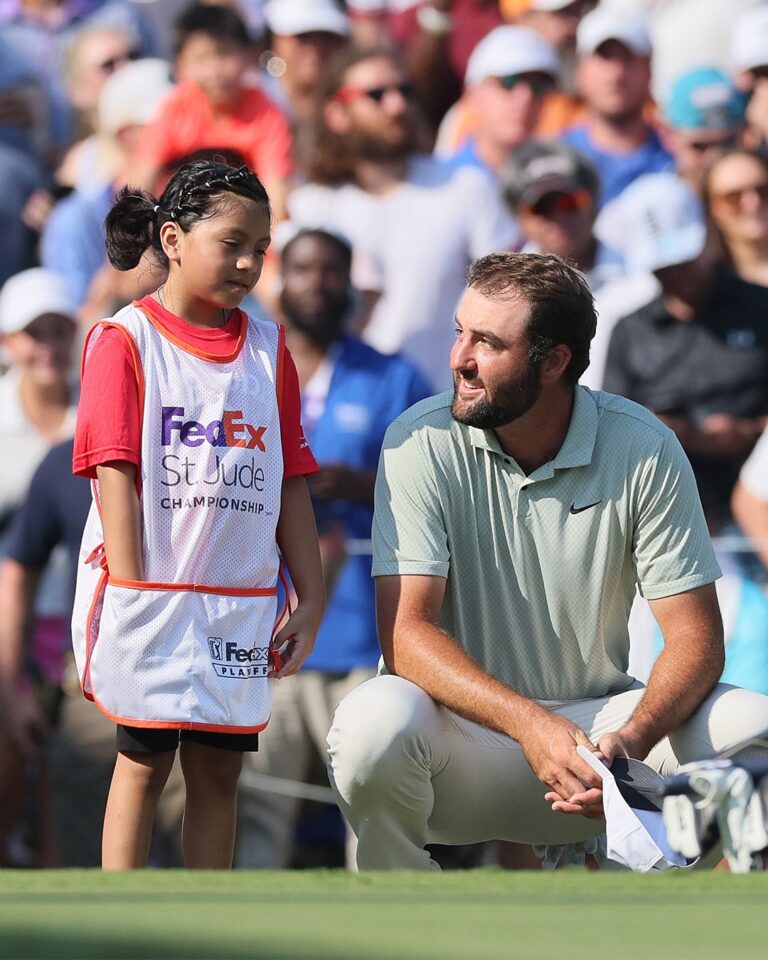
(380, 729)
(729, 716)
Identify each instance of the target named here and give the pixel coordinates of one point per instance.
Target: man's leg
(725, 719)
(407, 772)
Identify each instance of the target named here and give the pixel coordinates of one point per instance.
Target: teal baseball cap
(704, 99)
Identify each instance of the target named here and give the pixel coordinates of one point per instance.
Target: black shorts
(147, 740)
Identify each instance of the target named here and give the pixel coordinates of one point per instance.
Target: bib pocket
(183, 655)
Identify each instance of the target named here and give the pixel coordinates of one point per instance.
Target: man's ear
(556, 363)
(170, 233)
(336, 117)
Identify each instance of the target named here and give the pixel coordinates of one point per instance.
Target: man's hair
(331, 158)
(218, 22)
(562, 308)
(341, 247)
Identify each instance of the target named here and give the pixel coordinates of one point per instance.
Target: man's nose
(462, 356)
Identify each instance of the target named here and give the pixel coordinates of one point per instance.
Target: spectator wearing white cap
(36, 397)
(749, 68)
(703, 116)
(697, 356)
(508, 76)
(303, 35)
(37, 334)
(414, 221)
(73, 238)
(613, 78)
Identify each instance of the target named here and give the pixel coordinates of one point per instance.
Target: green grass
(331, 915)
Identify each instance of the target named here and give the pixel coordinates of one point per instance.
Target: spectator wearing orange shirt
(211, 106)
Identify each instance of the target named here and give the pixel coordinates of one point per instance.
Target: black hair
(342, 247)
(219, 22)
(561, 306)
(195, 192)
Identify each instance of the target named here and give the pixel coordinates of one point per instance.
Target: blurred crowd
(398, 141)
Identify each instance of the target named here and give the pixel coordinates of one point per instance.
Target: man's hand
(589, 803)
(549, 746)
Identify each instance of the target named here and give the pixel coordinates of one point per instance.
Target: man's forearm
(430, 658)
(678, 684)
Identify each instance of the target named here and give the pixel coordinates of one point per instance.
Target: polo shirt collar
(577, 447)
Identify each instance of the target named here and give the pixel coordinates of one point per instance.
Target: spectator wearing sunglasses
(73, 238)
(93, 57)
(703, 116)
(613, 78)
(736, 198)
(41, 39)
(552, 190)
(415, 222)
(509, 75)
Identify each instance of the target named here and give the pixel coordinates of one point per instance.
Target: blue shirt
(368, 390)
(73, 239)
(54, 512)
(618, 170)
(466, 155)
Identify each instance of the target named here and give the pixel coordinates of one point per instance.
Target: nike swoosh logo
(575, 509)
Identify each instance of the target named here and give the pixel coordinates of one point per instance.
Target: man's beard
(377, 147)
(322, 327)
(511, 400)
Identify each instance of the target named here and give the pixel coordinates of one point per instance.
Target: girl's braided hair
(195, 192)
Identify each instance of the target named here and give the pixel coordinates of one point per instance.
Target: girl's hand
(296, 640)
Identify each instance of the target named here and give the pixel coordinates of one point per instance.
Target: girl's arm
(121, 519)
(297, 539)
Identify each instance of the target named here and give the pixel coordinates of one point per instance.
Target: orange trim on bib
(97, 594)
(195, 588)
(174, 724)
(213, 358)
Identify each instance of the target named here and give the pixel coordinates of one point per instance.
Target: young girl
(189, 426)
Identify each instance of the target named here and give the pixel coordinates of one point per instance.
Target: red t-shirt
(108, 420)
(254, 126)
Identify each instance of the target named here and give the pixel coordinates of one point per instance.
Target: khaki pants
(407, 772)
(302, 710)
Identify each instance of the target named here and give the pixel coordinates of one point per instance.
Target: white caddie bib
(188, 646)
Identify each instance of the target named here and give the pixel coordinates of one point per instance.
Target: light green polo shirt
(541, 570)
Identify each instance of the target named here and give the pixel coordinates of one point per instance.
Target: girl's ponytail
(130, 227)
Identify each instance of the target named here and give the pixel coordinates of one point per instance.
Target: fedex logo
(230, 431)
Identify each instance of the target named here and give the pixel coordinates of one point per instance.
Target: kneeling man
(514, 519)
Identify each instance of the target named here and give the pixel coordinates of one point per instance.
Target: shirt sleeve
(298, 460)
(671, 545)
(108, 419)
(409, 535)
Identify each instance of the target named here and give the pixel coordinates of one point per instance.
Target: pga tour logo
(241, 663)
